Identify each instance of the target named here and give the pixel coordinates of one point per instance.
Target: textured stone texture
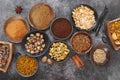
(65, 70)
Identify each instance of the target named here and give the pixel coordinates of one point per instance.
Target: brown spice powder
(61, 28)
(41, 15)
(16, 30)
(81, 42)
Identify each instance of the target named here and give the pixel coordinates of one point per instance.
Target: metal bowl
(12, 19)
(47, 43)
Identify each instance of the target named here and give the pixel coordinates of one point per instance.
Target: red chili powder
(61, 28)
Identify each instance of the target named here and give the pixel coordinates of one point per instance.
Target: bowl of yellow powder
(16, 28)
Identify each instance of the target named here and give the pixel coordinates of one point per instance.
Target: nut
(44, 59)
(49, 61)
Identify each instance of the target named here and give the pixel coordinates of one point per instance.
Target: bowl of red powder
(61, 28)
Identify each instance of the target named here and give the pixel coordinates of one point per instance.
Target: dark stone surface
(66, 70)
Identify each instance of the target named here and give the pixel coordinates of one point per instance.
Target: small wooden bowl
(47, 43)
(85, 33)
(51, 31)
(23, 74)
(33, 8)
(12, 19)
(107, 51)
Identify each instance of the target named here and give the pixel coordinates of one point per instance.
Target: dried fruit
(117, 42)
(114, 36)
(35, 43)
(84, 17)
(18, 9)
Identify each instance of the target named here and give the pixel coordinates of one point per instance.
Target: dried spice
(61, 28)
(99, 56)
(26, 65)
(59, 51)
(81, 42)
(4, 54)
(18, 9)
(35, 43)
(115, 32)
(41, 15)
(84, 17)
(16, 29)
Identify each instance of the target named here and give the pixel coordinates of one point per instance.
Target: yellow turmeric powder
(26, 65)
(16, 29)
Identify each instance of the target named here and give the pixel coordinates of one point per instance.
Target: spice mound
(61, 28)
(114, 28)
(16, 29)
(4, 54)
(81, 42)
(84, 17)
(41, 15)
(99, 56)
(58, 51)
(35, 43)
(26, 65)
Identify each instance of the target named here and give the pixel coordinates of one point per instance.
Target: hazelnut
(49, 61)
(44, 59)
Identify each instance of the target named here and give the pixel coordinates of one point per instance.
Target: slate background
(66, 70)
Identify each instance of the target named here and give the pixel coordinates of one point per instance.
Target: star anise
(18, 9)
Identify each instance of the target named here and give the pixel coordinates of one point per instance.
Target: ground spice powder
(41, 15)
(61, 28)
(16, 30)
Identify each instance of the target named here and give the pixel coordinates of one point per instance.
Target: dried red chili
(61, 28)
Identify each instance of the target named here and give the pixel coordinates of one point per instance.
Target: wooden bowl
(91, 43)
(12, 19)
(52, 13)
